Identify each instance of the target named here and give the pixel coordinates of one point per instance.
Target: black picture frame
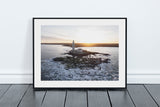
(34, 61)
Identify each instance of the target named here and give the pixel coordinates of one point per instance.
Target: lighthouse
(73, 46)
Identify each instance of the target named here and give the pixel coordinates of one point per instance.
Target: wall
(16, 33)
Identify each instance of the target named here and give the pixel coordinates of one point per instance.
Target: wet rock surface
(52, 70)
(82, 63)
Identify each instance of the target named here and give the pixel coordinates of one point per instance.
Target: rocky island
(81, 59)
(80, 64)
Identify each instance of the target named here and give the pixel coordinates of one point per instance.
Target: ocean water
(48, 52)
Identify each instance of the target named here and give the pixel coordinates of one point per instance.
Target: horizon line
(77, 43)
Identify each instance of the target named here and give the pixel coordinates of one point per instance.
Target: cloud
(79, 33)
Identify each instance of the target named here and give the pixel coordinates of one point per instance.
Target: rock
(97, 68)
(106, 60)
(58, 59)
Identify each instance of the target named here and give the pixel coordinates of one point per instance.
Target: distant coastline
(85, 44)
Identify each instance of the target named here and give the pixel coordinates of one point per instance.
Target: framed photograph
(79, 52)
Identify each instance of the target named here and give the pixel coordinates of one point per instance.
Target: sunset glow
(81, 34)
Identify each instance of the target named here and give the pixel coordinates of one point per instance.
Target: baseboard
(131, 78)
(16, 79)
(143, 78)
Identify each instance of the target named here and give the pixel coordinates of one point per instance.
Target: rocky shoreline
(52, 70)
(82, 63)
(79, 65)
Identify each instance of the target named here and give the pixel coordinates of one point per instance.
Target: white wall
(16, 33)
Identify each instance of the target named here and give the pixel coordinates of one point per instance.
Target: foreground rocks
(79, 65)
(52, 70)
(79, 62)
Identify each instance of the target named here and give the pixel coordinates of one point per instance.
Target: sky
(79, 33)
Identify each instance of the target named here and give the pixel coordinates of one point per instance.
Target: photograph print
(79, 53)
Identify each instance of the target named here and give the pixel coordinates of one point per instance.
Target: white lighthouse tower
(73, 46)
